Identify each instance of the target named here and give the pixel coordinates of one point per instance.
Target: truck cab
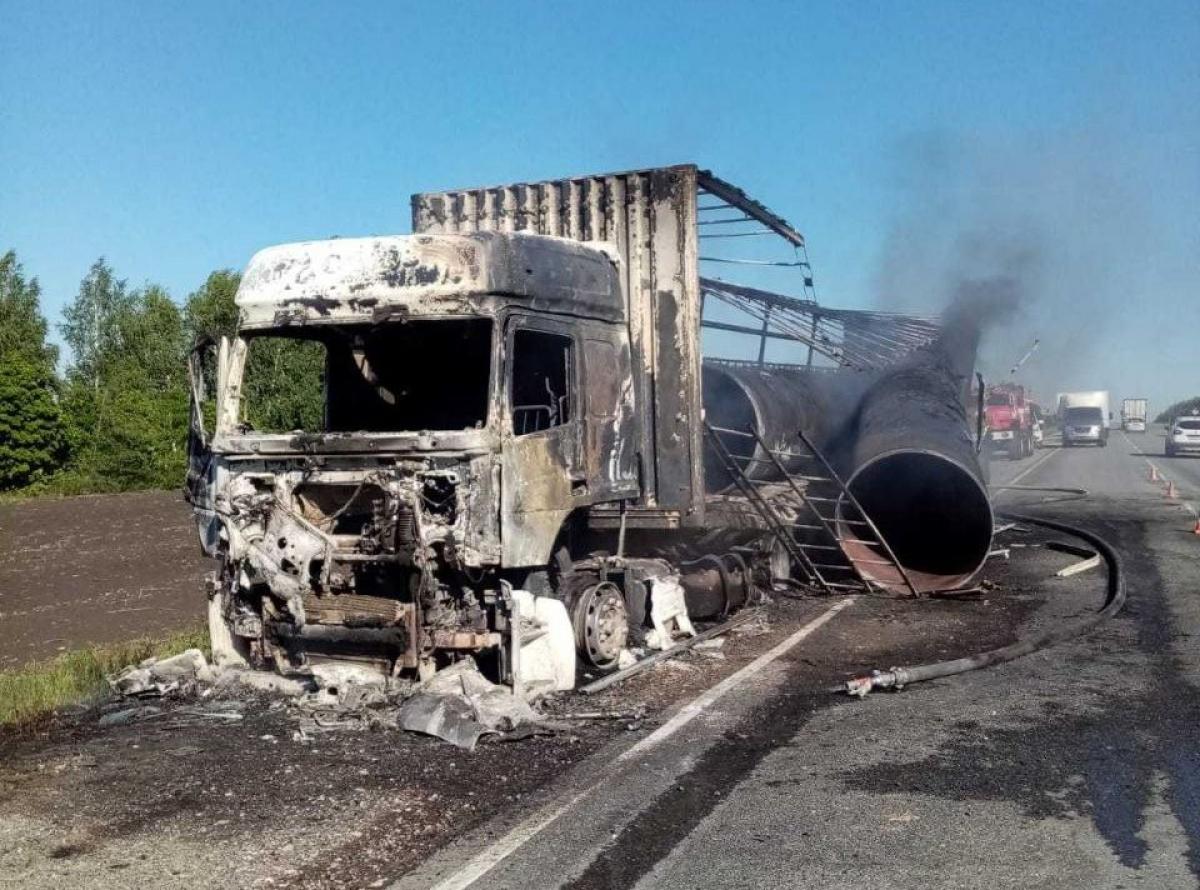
(1010, 426)
(398, 434)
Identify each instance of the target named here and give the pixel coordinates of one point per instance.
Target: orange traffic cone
(1172, 493)
(1153, 473)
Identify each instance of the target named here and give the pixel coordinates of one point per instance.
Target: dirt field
(95, 569)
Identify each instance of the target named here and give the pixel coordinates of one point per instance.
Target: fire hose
(899, 677)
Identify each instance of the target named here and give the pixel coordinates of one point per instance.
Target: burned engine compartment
(369, 565)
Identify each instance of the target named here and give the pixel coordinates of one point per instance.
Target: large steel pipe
(902, 442)
(909, 460)
(777, 402)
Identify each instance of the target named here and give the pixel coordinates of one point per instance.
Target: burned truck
(507, 426)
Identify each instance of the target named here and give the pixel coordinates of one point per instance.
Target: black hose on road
(1057, 488)
(899, 677)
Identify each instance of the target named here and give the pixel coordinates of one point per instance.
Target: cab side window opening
(542, 396)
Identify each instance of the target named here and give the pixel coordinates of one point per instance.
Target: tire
(1170, 451)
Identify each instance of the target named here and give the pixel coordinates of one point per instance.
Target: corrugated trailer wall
(650, 215)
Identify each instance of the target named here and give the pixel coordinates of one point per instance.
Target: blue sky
(177, 138)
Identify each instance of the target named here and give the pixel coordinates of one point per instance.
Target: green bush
(32, 444)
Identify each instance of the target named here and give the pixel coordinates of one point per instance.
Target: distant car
(1183, 435)
(1084, 425)
(1135, 425)
(1039, 434)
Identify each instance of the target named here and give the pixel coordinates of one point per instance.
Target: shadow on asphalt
(1100, 764)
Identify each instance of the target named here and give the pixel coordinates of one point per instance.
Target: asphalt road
(1185, 470)
(1077, 766)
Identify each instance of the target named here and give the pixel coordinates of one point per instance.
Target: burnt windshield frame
(364, 375)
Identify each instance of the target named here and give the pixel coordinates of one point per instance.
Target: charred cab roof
(365, 279)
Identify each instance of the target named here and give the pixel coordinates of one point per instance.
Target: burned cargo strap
(899, 439)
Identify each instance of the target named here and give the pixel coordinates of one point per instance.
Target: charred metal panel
(482, 519)
(535, 495)
(650, 217)
(610, 452)
(388, 278)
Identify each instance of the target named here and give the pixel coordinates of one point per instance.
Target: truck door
(540, 479)
(611, 433)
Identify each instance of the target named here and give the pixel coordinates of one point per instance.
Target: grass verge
(31, 692)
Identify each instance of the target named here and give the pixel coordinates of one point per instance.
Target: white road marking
(1165, 478)
(1025, 472)
(491, 856)
(690, 711)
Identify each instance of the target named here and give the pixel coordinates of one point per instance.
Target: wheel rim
(601, 624)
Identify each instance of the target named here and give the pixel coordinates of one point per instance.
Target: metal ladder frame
(847, 495)
(782, 530)
(764, 509)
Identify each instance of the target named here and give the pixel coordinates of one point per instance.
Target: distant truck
(1134, 413)
(1010, 420)
(1084, 417)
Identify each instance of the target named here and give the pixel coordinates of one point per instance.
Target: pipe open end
(933, 513)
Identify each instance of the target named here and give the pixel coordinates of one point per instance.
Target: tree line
(114, 417)
(1179, 409)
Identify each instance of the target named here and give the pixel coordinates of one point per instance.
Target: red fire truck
(1010, 420)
